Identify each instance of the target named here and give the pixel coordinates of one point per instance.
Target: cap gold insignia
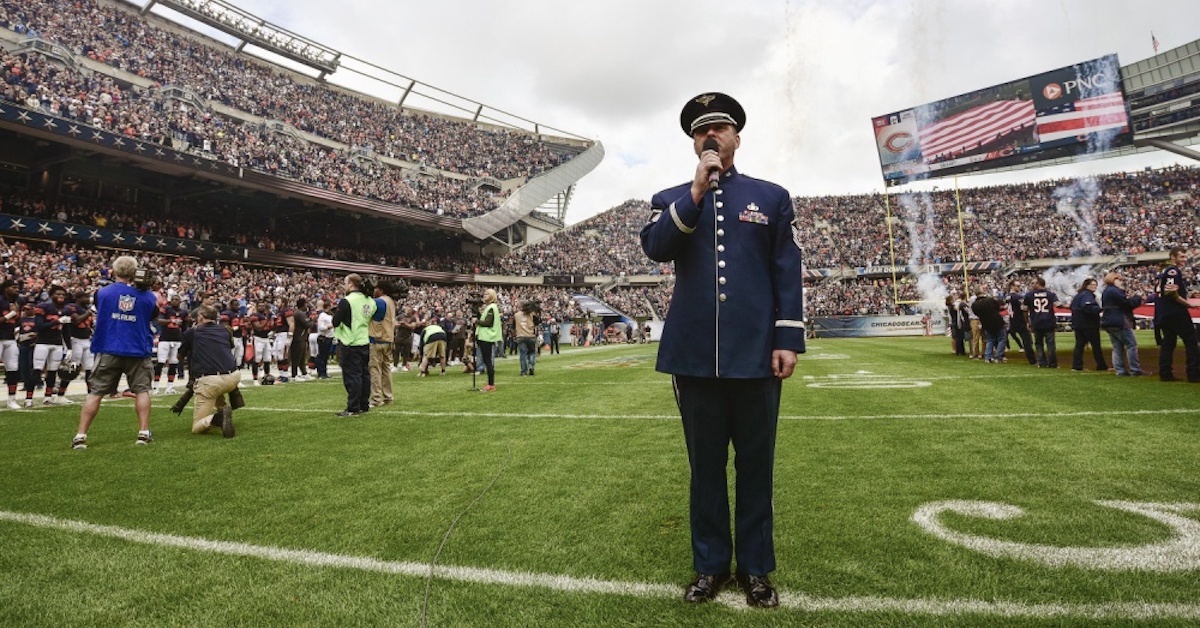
(705, 99)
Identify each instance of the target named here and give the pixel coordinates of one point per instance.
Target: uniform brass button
(720, 248)
(722, 297)
(720, 232)
(720, 218)
(720, 204)
(721, 280)
(721, 264)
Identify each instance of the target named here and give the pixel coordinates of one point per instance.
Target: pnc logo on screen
(1052, 91)
(899, 142)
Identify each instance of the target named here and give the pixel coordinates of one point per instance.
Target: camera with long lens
(144, 278)
(474, 303)
(400, 289)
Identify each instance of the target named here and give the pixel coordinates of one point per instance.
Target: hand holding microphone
(714, 171)
(708, 170)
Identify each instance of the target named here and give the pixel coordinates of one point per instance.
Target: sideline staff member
(123, 344)
(730, 340)
(350, 321)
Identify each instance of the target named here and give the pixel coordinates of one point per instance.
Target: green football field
(912, 488)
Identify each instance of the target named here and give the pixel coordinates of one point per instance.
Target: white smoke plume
(922, 237)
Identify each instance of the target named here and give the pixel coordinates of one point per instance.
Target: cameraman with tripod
(123, 344)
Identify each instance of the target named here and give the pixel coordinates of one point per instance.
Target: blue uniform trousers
(716, 412)
(355, 377)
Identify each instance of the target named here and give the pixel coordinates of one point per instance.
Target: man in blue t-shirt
(123, 343)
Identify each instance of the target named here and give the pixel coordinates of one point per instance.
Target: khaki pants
(381, 373)
(210, 396)
(976, 339)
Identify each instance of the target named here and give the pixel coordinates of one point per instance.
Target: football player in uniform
(80, 332)
(10, 315)
(284, 326)
(260, 323)
(26, 342)
(232, 318)
(49, 348)
(171, 321)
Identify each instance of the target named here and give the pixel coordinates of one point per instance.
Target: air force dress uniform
(738, 297)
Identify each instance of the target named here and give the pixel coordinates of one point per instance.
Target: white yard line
(801, 417)
(790, 600)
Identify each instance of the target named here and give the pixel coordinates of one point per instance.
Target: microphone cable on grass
(446, 537)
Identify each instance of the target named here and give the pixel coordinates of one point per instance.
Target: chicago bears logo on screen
(899, 142)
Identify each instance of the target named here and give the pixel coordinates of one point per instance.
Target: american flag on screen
(1087, 115)
(976, 126)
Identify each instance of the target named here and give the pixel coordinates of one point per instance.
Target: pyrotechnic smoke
(1077, 200)
(922, 238)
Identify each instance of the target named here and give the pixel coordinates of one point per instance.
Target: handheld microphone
(714, 175)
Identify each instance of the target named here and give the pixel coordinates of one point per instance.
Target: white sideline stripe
(321, 559)
(794, 417)
(794, 601)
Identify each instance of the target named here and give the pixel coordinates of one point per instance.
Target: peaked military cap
(711, 108)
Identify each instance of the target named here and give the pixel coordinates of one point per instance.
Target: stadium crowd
(365, 128)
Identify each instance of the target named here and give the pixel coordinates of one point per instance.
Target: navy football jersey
(1166, 306)
(1041, 309)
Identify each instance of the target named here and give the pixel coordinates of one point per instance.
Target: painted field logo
(621, 362)
(1180, 552)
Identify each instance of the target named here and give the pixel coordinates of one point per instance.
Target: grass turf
(581, 472)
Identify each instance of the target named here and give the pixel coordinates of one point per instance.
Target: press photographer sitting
(209, 348)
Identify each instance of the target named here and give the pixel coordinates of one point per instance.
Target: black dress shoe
(705, 587)
(760, 593)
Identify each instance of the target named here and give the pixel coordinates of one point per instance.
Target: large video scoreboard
(1068, 111)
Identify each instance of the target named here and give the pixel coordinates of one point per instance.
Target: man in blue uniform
(1039, 305)
(1174, 320)
(730, 339)
(123, 343)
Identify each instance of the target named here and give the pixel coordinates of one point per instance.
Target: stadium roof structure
(536, 210)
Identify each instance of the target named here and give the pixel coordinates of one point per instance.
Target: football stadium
(991, 421)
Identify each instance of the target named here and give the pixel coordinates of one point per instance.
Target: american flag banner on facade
(1087, 115)
(1154, 42)
(974, 127)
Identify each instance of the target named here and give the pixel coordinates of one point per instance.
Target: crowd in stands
(365, 127)
(1117, 213)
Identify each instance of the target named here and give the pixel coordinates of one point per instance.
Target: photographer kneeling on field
(208, 346)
